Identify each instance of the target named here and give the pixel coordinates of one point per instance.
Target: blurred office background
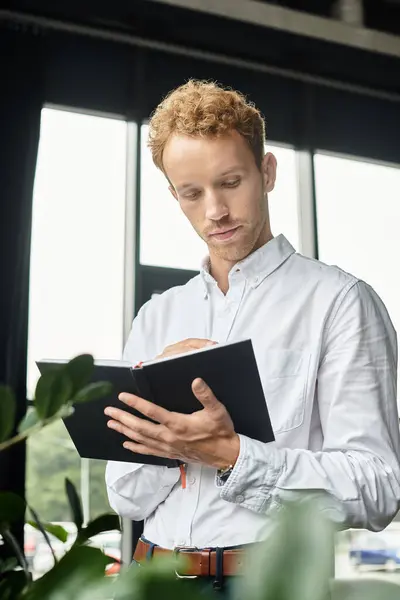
(89, 230)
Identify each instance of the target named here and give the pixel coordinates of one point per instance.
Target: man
(324, 343)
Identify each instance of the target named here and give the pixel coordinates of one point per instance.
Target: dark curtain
(21, 95)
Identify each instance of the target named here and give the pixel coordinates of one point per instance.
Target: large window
(167, 238)
(77, 271)
(283, 201)
(76, 287)
(77, 255)
(358, 215)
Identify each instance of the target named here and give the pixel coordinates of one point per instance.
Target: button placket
(225, 309)
(233, 301)
(188, 507)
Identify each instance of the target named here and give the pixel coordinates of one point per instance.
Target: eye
(191, 195)
(232, 183)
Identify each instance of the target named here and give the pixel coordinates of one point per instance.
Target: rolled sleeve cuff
(254, 475)
(125, 477)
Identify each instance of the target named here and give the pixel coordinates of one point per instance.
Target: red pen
(182, 469)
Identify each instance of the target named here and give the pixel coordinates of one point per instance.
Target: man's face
(221, 191)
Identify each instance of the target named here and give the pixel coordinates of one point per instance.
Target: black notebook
(229, 369)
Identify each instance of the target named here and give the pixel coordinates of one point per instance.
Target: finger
(185, 346)
(132, 434)
(109, 409)
(138, 438)
(123, 417)
(149, 409)
(199, 343)
(195, 343)
(154, 431)
(160, 446)
(148, 450)
(173, 349)
(204, 394)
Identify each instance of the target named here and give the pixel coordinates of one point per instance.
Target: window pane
(283, 201)
(77, 254)
(362, 553)
(358, 212)
(51, 458)
(167, 238)
(76, 286)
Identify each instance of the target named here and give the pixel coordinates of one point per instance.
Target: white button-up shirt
(327, 355)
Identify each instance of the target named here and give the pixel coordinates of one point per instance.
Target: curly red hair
(205, 109)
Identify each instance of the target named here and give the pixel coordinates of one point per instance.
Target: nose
(216, 207)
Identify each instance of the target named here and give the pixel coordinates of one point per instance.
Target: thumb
(204, 393)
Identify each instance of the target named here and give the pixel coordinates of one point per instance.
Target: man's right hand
(186, 346)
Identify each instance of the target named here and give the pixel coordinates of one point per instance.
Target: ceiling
(178, 22)
(383, 15)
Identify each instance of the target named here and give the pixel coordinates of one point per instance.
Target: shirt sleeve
(356, 475)
(135, 490)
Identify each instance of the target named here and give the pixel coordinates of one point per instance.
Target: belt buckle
(177, 550)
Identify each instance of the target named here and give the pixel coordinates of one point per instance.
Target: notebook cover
(231, 372)
(87, 426)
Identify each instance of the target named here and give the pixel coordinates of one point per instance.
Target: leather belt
(198, 562)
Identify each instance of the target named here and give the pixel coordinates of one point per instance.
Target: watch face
(222, 477)
(225, 474)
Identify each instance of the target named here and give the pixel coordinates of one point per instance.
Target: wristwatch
(223, 475)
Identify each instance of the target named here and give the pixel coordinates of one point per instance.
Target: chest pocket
(284, 375)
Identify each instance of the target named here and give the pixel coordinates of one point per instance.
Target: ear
(173, 192)
(268, 167)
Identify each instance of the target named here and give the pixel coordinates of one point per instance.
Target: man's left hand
(206, 436)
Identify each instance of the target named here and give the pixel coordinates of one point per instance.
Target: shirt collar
(257, 266)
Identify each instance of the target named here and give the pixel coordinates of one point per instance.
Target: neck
(220, 267)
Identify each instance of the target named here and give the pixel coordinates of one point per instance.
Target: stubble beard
(238, 250)
(249, 238)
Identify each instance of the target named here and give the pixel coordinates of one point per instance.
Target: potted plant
(294, 563)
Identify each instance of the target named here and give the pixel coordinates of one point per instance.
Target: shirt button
(192, 480)
(240, 498)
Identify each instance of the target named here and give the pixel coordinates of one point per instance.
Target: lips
(224, 234)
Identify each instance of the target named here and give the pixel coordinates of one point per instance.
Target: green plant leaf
(12, 508)
(155, 580)
(102, 523)
(12, 542)
(65, 411)
(364, 589)
(8, 407)
(295, 561)
(56, 530)
(8, 565)
(40, 526)
(76, 575)
(32, 423)
(54, 389)
(75, 504)
(11, 585)
(30, 419)
(93, 391)
(80, 370)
